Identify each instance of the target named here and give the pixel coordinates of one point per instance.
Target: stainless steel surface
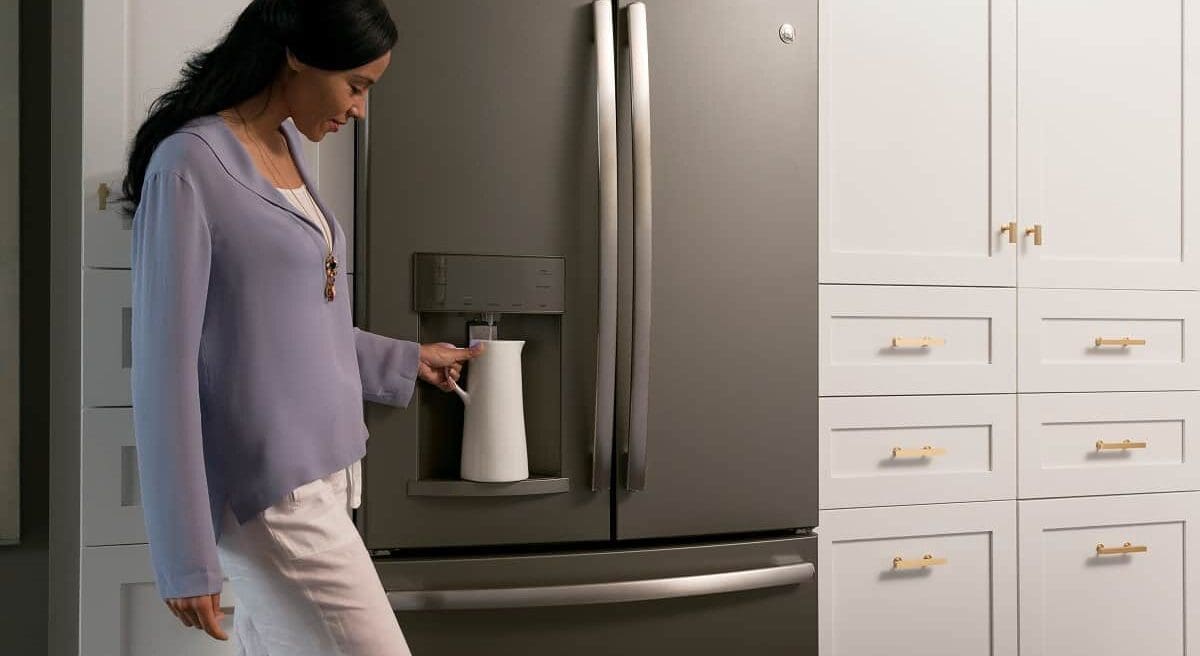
(772, 621)
(483, 141)
(606, 328)
(461, 488)
(444, 282)
(604, 593)
(731, 424)
(643, 206)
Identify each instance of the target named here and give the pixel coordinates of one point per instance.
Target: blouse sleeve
(387, 366)
(171, 249)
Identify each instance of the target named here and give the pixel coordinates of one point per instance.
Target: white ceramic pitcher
(493, 446)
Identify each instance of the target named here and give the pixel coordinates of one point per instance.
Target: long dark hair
(333, 35)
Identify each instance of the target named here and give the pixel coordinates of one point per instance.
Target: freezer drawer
(698, 599)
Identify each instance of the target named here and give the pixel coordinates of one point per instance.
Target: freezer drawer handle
(604, 593)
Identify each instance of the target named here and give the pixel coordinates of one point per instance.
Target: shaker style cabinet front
(935, 580)
(124, 615)
(946, 159)
(1110, 575)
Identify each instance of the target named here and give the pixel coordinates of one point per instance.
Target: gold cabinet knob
(1036, 231)
(1011, 229)
(103, 192)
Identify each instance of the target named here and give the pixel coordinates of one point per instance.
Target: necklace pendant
(330, 276)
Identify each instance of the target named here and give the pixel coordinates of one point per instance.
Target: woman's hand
(203, 612)
(441, 363)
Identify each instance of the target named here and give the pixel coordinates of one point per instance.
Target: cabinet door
(107, 337)
(1104, 165)
(111, 494)
(916, 340)
(124, 614)
(133, 52)
(895, 450)
(1107, 340)
(918, 142)
(875, 602)
(1077, 599)
(1115, 443)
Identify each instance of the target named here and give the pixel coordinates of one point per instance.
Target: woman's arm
(171, 259)
(387, 366)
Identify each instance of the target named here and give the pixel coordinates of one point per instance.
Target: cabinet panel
(1104, 166)
(133, 51)
(1075, 600)
(1114, 443)
(964, 604)
(107, 337)
(111, 494)
(1071, 340)
(918, 139)
(871, 340)
(873, 449)
(124, 614)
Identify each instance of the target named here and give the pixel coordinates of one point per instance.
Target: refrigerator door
(483, 140)
(717, 397)
(711, 599)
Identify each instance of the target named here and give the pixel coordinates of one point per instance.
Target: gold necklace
(331, 263)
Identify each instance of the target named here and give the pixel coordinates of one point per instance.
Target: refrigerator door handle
(639, 64)
(601, 593)
(606, 334)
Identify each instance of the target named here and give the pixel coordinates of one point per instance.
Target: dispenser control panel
(487, 283)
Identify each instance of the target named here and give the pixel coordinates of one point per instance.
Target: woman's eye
(356, 90)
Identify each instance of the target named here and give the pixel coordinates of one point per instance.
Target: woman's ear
(293, 64)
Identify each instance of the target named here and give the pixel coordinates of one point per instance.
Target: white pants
(304, 581)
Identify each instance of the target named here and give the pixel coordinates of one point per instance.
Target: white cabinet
(1115, 443)
(917, 141)
(887, 451)
(1081, 340)
(1080, 594)
(916, 340)
(107, 337)
(133, 52)
(936, 580)
(1108, 163)
(111, 494)
(123, 614)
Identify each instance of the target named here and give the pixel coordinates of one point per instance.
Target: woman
(248, 376)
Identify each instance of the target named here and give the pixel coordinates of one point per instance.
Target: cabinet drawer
(111, 495)
(872, 450)
(885, 340)
(1076, 600)
(107, 337)
(964, 604)
(122, 612)
(1107, 340)
(1111, 443)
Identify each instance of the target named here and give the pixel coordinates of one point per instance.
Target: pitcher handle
(462, 394)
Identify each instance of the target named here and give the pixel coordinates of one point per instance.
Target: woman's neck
(262, 115)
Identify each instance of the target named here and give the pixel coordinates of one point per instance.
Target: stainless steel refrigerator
(631, 189)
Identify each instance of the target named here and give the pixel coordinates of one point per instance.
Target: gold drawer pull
(103, 192)
(926, 561)
(1127, 548)
(1101, 445)
(1119, 341)
(917, 341)
(1011, 229)
(900, 452)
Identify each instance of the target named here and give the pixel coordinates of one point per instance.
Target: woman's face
(321, 101)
